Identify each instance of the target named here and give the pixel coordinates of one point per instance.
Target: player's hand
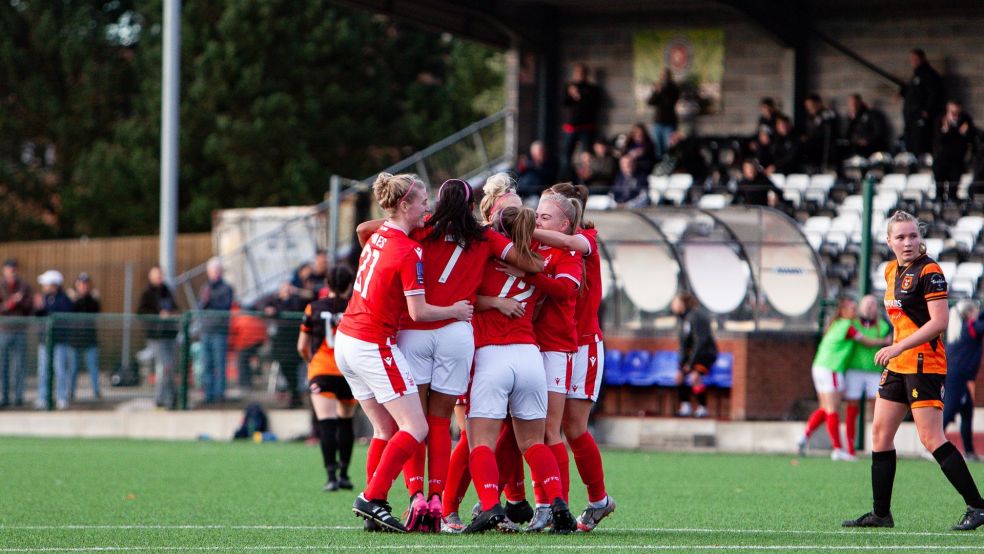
(511, 308)
(885, 354)
(511, 270)
(463, 310)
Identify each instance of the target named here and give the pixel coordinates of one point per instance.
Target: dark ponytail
(453, 215)
(340, 279)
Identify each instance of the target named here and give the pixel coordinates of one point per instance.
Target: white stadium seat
(600, 202)
(893, 181)
(819, 223)
(934, 247)
(778, 179)
(713, 202)
(949, 270)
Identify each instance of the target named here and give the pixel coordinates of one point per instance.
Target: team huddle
(494, 322)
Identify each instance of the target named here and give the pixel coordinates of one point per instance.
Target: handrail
(418, 160)
(857, 57)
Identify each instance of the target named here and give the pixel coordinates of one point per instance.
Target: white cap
(51, 277)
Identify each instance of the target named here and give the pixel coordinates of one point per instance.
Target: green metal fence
(196, 359)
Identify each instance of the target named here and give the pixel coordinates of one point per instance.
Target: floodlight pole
(170, 87)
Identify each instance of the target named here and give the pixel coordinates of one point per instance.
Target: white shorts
(857, 381)
(373, 370)
(508, 380)
(589, 367)
(558, 367)
(441, 357)
(826, 381)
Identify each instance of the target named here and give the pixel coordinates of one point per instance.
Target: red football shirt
(391, 268)
(556, 328)
(491, 326)
(453, 273)
(589, 300)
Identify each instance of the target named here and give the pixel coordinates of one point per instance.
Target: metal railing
(197, 358)
(472, 154)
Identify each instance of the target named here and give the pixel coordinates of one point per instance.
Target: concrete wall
(757, 64)
(952, 44)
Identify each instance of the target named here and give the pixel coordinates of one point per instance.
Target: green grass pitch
(143, 496)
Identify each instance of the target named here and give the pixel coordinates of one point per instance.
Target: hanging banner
(695, 57)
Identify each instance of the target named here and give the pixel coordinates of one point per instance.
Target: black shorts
(918, 390)
(332, 386)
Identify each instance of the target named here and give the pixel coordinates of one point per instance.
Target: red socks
(376, 448)
(833, 429)
(546, 476)
(588, 461)
(485, 474)
(510, 462)
(563, 466)
(400, 448)
(458, 476)
(851, 424)
(413, 470)
(816, 419)
(438, 453)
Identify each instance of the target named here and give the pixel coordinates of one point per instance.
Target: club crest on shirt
(907, 282)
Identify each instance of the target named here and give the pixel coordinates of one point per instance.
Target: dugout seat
(720, 373)
(635, 367)
(614, 376)
(664, 367)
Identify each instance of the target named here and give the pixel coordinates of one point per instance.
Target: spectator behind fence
(754, 188)
(53, 300)
(630, 188)
(866, 132)
(819, 134)
(216, 296)
(785, 148)
(85, 343)
(922, 105)
(582, 103)
(309, 283)
(663, 98)
(954, 138)
(640, 148)
(284, 335)
(16, 300)
(536, 172)
(597, 169)
(768, 114)
(156, 300)
(963, 360)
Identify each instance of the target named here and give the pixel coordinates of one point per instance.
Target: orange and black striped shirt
(909, 291)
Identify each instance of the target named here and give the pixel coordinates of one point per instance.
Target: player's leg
(885, 424)
(458, 477)
(929, 424)
(699, 389)
(325, 410)
(558, 367)
(345, 412)
(683, 394)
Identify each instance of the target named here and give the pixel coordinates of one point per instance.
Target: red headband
(407, 193)
(468, 191)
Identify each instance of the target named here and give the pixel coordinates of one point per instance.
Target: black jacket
(665, 101)
(923, 93)
(697, 344)
(756, 192)
(869, 127)
(154, 300)
(583, 112)
(85, 334)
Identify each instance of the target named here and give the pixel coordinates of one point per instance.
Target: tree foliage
(276, 95)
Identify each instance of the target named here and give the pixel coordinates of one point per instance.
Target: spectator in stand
(283, 337)
(597, 169)
(963, 360)
(819, 134)
(762, 147)
(215, 298)
(157, 302)
(922, 105)
(85, 344)
(954, 137)
(754, 188)
(640, 148)
(16, 300)
(630, 190)
(866, 132)
(53, 300)
(308, 283)
(785, 148)
(536, 172)
(582, 100)
(768, 114)
(663, 98)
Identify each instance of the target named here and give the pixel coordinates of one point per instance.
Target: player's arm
(576, 242)
(506, 306)
(939, 317)
(304, 346)
(420, 310)
(367, 228)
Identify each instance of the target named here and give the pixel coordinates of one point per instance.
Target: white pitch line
(538, 547)
(193, 527)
